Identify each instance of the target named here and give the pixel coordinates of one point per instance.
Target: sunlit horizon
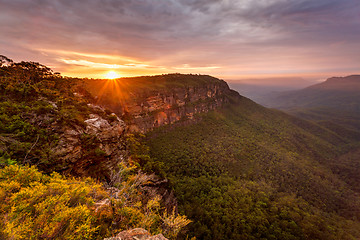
(230, 40)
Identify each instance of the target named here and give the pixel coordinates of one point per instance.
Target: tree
(5, 61)
(26, 72)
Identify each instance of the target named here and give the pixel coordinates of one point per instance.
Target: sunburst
(112, 75)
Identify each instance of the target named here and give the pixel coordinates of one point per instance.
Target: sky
(230, 39)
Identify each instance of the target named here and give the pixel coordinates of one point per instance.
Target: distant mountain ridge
(339, 93)
(332, 103)
(256, 89)
(349, 83)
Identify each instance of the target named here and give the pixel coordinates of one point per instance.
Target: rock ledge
(136, 234)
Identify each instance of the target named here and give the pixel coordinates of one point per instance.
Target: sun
(112, 75)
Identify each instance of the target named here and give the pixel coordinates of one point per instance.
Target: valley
(179, 120)
(268, 156)
(179, 143)
(335, 101)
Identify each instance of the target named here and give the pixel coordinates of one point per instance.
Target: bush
(38, 206)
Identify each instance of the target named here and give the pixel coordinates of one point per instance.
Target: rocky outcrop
(136, 234)
(179, 97)
(100, 127)
(156, 186)
(150, 185)
(78, 145)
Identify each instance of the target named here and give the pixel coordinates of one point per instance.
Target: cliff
(145, 103)
(54, 123)
(68, 125)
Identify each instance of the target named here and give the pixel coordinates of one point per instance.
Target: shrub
(38, 206)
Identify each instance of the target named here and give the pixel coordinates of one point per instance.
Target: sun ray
(102, 90)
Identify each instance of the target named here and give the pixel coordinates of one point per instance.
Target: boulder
(136, 234)
(103, 129)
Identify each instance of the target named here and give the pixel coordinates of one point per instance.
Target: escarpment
(68, 125)
(81, 128)
(166, 107)
(149, 102)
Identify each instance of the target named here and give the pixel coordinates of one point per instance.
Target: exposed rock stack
(136, 234)
(107, 138)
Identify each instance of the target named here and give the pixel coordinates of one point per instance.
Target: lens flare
(112, 75)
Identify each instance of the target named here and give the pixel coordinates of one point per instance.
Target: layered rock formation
(100, 136)
(167, 107)
(178, 97)
(136, 234)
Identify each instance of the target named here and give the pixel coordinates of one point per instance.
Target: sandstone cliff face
(167, 107)
(145, 109)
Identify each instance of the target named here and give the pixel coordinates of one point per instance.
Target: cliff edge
(149, 102)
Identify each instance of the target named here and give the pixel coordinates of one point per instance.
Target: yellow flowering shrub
(38, 206)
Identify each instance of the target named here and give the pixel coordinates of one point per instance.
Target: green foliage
(344, 122)
(90, 144)
(140, 155)
(158, 82)
(36, 107)
(245, 172)
(20, 133)
(5, 159)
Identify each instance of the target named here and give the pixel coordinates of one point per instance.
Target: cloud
(228, 37)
